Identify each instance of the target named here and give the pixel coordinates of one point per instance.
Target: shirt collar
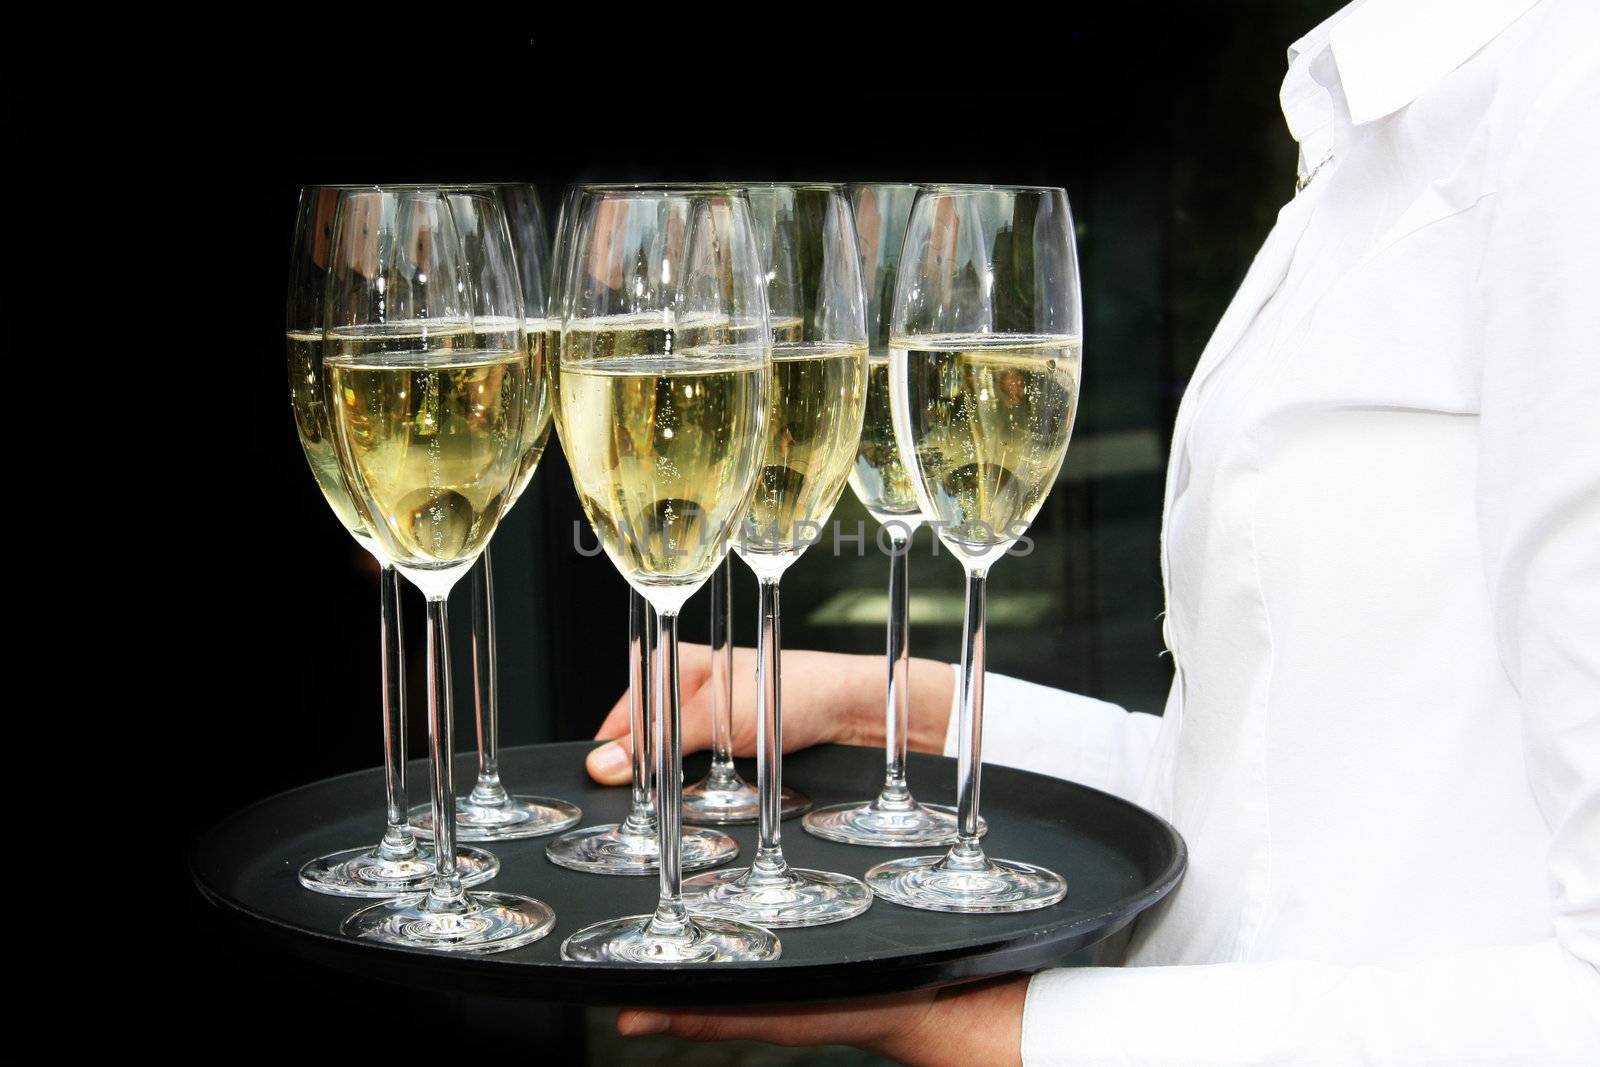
(1389, 52)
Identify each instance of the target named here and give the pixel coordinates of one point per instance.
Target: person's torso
(1342, 746)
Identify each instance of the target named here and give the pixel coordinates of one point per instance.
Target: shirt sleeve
(1539, 523)
(1062, 734)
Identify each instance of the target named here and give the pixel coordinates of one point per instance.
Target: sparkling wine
(431, 440)
(813, 429)
(543, 339)
(983, 422)
(311, 421)
(663, 449)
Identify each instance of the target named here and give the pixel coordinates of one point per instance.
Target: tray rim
(638, 984)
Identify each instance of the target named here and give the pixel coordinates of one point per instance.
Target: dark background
(1162, 125)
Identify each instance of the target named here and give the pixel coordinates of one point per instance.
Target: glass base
(704, 940)
(933, 883)
(484, 922)
(729, 801)
(607, 850)
(363, 872)
(519, 817)
(872, 823)
(794, 897)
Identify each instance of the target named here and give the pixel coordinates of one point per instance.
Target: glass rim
(713, 186)
(828, 186)
(654, 188)
(400, 187)
(970, 187)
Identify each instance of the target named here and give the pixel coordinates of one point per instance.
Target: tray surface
(1117, 859)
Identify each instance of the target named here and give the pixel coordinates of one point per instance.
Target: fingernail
(642, 1023)
(609, 758)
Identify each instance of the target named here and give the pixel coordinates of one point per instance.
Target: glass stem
(671, 918)
(896, 795)
(769, 864)
(399, 843)
(487, 790)
(641, 814)
(445, 891)
(966, 853)
(722, 774)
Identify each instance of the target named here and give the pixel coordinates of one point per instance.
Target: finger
(695, 718)
(612, 763)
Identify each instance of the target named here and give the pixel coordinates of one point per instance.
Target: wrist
(933, 687)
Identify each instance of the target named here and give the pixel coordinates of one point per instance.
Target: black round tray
(1117, 859)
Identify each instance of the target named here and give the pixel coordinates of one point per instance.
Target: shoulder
(1547, 101)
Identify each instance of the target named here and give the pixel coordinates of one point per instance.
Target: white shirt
(1381, 550)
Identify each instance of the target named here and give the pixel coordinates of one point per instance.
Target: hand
(978, 1022)
(827, 697)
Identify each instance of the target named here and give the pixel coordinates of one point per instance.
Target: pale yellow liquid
(544, 343)
(987, 419)
(431, 440)
(813, 429)
(879, 477)
(311, 420)
(663, 450)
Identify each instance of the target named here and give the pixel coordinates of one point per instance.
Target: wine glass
(489, 812)
(880, 481)
(427, 387)
(985, 350)
(663, 389)
(398, 863)
(819, 386)
(628, 847)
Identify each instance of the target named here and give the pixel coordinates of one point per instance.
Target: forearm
(932, 688)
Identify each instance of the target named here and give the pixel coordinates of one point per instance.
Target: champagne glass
(663, 388)
(398, 863)
(722, 798)
(984, 350)
(819, 386)
(881, 482)
(426, 379)
(489, 812)
(628, 847)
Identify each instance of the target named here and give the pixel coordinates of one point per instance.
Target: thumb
(612, 762)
